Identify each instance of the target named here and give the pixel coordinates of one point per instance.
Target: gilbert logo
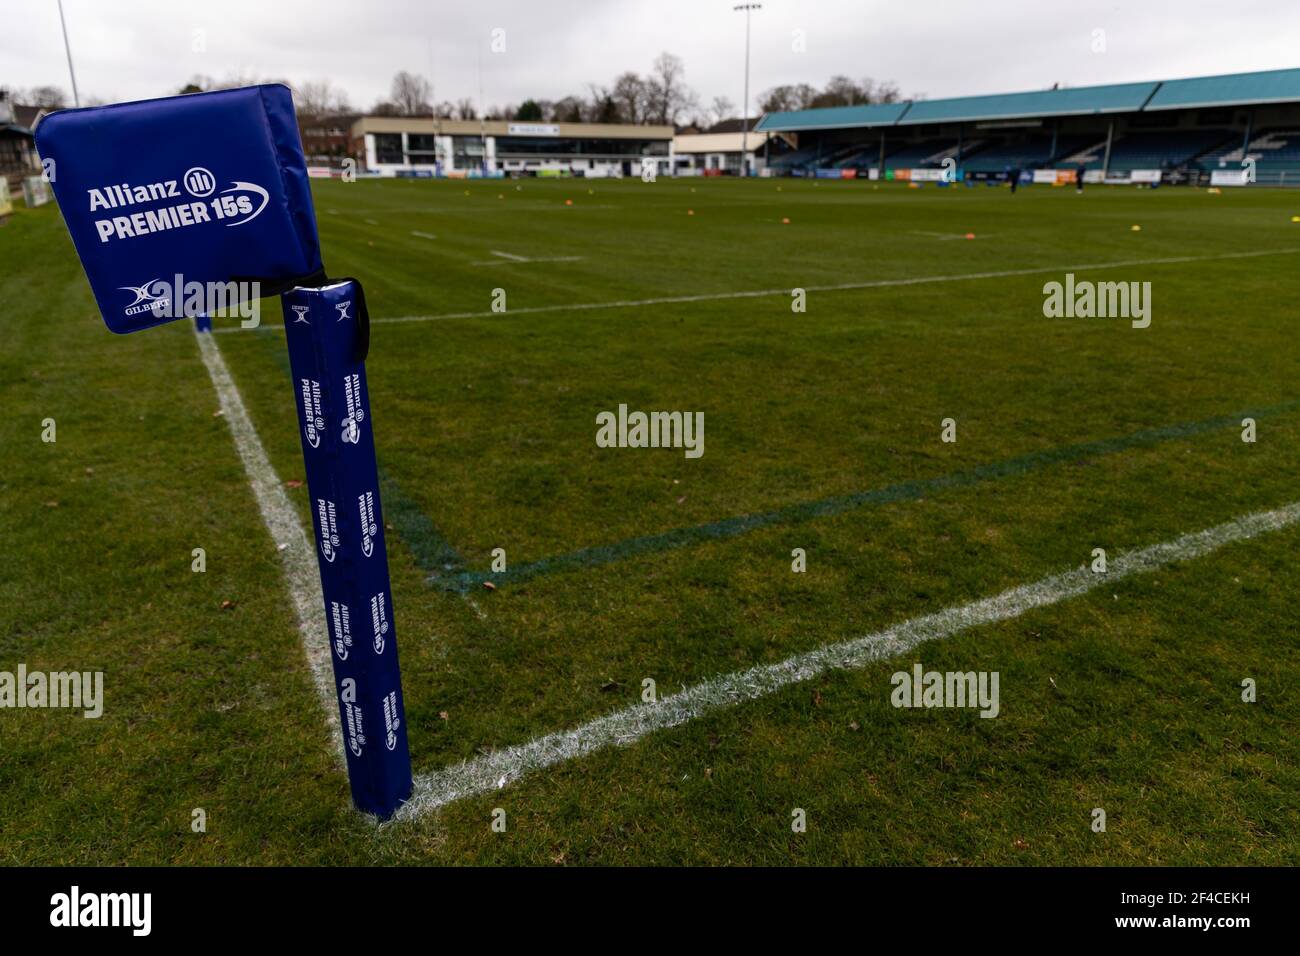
(146, 300)
(356, 732)
(179, 298)
(342, 308)
(76, 909)
(301, 312)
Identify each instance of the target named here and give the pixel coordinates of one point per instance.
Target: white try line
(624, 727)
(841, 287)
(507, 259)
(297, 552)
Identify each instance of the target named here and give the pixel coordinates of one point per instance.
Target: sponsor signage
(36, 191)
(1228, 177)
(532, 129)
(335, 431)
(212, 186)
(1055, 177)
(1145, 176)
(6, 204)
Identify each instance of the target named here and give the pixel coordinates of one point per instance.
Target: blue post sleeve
(325, 337)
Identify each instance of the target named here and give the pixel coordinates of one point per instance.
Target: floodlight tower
(76, 99)
(749, 8)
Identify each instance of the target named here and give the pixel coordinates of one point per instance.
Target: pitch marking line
(423, 235)
(507, 259)
(297, 552)
(912, 490)
(624, 727)
(841, 287)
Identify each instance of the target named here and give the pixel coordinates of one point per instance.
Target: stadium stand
(1162, 150)
(926, 154)
(1188, 130)
(798, 159)
(1276, 153)
(1027, 154)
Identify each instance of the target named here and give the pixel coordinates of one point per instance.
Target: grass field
(822, 433)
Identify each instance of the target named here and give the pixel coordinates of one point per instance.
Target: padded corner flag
(327, 357)
(212, 188)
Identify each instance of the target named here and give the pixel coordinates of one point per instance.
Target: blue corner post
(328, 335)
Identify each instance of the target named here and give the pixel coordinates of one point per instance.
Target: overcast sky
(132, 49)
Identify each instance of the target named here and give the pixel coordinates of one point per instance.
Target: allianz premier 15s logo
(239, 203)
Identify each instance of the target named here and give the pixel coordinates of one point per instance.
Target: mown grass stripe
(836, 287)
(839, 504)
(624, 727)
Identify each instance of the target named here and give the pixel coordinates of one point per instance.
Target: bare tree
(568, 110)
(781, 99)
(839, 91)
(198, 83)
(46, 97)
(669, 95)
(888, 92)
(721, 109)
(465, 109)
(319, 98)
(632, 97)
(602, 107)
(411, 94)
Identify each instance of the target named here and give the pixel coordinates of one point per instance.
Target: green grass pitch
(625, 564)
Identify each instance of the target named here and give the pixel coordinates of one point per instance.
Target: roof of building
(28, 116)
(732, 125)
(1115, 98)
(1237, 89)
(1234, 89)
(454, 127)
(832, 117)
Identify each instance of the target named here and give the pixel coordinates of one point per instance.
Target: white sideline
(841, 287)
(296, 550)
(623, 727)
